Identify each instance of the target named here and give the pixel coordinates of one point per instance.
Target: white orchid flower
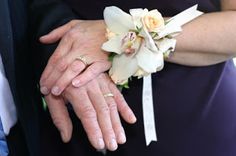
(141, 40)
(130, 38)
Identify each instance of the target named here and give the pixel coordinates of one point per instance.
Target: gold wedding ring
(108, 95)
(82, 59)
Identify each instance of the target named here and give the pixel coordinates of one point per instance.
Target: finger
(124, 109)
(67, 69)
(86, 113)
(115, 119)
(60, 116)
(103, 115)
(91, 72)
(75, 68)
(56, 64)
(55, 74)
(56, 34)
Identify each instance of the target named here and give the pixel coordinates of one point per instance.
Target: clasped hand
(82, 82)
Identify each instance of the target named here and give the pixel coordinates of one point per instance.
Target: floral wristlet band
(139, 42)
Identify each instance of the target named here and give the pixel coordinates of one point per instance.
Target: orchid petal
(148, 39)
(137, 14)
(117, 20)
(149, 61)
(113, 44)
(123, 67)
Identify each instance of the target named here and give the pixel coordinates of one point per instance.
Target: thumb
(56, 34)
(60, 116)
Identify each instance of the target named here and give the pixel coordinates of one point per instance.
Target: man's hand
(78, 39)
(98, 114)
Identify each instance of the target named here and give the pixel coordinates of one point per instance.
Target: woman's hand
(98, 113)
(78, 57)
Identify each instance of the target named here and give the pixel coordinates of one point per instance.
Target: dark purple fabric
(195, 107)
(93, 9)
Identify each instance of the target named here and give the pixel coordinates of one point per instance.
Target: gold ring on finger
(82, 59)
(108, 95)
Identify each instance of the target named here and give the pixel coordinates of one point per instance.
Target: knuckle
(112, 106)
(109, 131)
(93, 71)
(92, 87)
(54, 58)
(93, 132)
(61, 65)
(88, 112)
(75, 67)
(72, 34)
(91, 127)
(117, 126)
(66, 39)
(104, 110)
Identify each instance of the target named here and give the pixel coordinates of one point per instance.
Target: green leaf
(154, 34)
(126, 85)
(44, 103)
(111, 57)
(120, 87)
(166, 21)
(43, 100)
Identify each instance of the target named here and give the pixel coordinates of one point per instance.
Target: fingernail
(56, 90)
(44, 90)
(100, 144)
(132, 119)
(76, 83)
(42, 37)
(121, 138)
(64, 137)
(113, 145)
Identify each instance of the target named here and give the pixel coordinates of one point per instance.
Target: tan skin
(99, 115)
(206, 40)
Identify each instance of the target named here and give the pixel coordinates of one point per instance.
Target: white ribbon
(173, 27)
(148, 112)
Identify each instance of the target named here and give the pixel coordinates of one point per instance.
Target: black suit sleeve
(44, 16)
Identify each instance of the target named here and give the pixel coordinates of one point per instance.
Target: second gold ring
(108, 95)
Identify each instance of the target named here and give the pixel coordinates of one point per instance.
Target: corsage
(138, 43)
